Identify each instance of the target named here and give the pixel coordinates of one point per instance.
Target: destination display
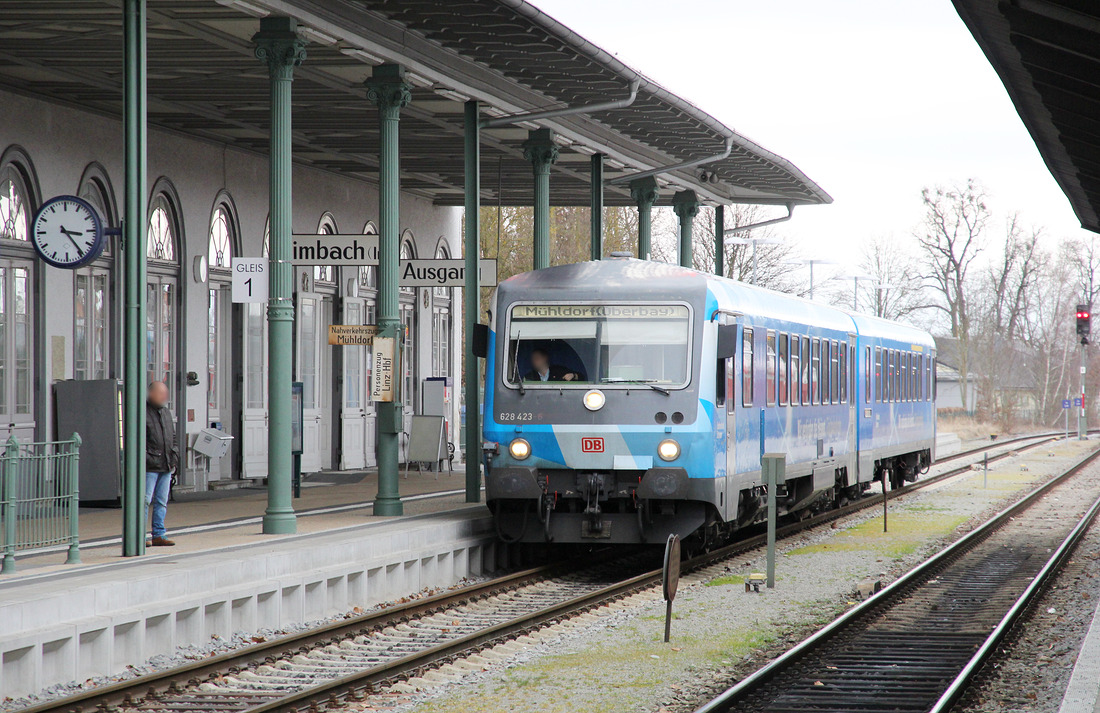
(589, 311)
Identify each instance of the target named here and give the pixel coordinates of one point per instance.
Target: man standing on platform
(161, 458)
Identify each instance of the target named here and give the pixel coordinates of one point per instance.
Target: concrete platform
(1083, 691)
(64, 622)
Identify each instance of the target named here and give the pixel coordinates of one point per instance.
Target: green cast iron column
(720, 240)
(278, 44)
(686, 206)
(597, 206)
(387, 89)
(541, 151)
(133, 247)
(472, 302)
(644, 192)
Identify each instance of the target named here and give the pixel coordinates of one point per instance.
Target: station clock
(67, 232)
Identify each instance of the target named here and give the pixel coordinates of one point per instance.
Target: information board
(384, 370)
(351, 334)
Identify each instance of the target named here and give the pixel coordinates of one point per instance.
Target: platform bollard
(74, 502)
(8, 466)
(773, 467)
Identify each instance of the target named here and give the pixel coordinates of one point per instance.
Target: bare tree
(894, 290)
(951, 236)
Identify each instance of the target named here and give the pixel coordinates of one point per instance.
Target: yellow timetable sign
(348, 335)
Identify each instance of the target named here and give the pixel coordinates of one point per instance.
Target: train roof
(611, 278)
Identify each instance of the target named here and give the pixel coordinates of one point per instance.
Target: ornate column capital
(685, 204)
(278, 44)
(540, 149)
(644, 191)
(388, 89)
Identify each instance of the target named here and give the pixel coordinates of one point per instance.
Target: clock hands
(70, 234)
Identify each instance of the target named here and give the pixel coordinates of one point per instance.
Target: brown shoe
(162, 542)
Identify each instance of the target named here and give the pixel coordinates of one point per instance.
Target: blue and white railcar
(665, 387)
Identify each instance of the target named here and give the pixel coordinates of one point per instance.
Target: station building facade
(207, 202)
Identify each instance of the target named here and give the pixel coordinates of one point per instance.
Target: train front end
(594, 427)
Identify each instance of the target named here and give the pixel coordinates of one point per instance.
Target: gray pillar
(596, 183)
(541, 151)
(387, 89)
(686, 206)
(472, 302)
(644, 192)
(720, 240)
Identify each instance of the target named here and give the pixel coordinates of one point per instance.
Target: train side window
(806, 364)
(891, 385)
(720, 383)
(912, 377)
(932, 377)
(746, 367)
(898, 395)
(824, 379)
(904, 376)
(867, 374)
(834, 381)
(815, 371)
(769, 369)
(796, 369)
(918, 372)
(878, 374)
(783, 369)
(844, 372)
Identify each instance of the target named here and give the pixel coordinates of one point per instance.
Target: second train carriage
(627, 400)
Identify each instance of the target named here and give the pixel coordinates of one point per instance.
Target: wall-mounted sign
(250, 279)
(444, 273)
(346, 335)
(384, 370)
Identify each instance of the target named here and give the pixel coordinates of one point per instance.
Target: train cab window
(783, 385)
(879, 373)
(746, 367)
(599, 344)
(844, 372)
(769, 369)
(815, 371)
(806, 365)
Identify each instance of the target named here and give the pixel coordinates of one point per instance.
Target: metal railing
(39, 498)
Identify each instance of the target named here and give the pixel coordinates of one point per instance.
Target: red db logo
(591, 445)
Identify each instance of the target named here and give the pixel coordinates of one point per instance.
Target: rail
(39, 498)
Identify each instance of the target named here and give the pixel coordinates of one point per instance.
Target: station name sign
(355, 250)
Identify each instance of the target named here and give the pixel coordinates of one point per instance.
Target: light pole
(811, 262)
(754, 242)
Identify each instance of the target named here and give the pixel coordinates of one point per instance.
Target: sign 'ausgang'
(444, 273)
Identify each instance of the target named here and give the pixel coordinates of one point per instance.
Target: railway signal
(1084, 324)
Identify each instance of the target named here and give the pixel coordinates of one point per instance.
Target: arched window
(368, 274)
(14, 204)
(95, 187)
(408, 252)
(161, 242)
(441, 321)
(326, 273)
(93, 289)
(221, 239)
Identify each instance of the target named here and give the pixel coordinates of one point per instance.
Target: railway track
(355, 658)
(915, 646)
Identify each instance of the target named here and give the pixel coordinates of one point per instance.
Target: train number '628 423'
(522, 416)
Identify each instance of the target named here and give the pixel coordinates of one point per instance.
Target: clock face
(67, 232)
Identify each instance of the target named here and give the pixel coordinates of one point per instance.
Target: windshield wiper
(647, 382)
(515, 368)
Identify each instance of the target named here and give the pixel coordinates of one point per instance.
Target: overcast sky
(872, 100)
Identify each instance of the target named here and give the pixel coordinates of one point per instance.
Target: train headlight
(520, 449)
(594, 400)
(668, 449)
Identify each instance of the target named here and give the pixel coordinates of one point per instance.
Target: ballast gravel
(618, 662)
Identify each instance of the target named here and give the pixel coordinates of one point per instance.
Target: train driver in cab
(543, 370)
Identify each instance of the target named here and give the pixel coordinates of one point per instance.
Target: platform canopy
(1047, 53)
(205, 81)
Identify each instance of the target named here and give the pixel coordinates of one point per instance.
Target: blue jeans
(156, 492)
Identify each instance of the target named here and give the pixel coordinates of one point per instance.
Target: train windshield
(599, 344)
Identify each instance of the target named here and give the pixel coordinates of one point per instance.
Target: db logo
(591, 445)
